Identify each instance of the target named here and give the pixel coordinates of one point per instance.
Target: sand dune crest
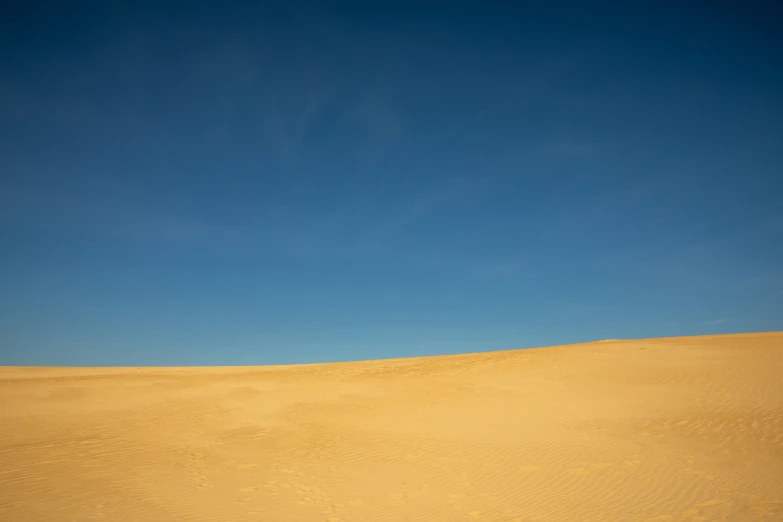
(667, 429)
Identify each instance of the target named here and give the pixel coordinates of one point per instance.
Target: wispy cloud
(387, 233)
(393, 223)
(419, 207)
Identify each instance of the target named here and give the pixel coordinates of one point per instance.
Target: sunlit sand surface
(672, 429)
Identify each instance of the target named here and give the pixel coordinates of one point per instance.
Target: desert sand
(687, 428)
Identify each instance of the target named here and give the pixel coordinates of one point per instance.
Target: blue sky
(315, 182)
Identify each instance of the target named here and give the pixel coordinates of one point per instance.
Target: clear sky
(315, 182)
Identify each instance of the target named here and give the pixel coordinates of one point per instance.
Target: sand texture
(668, 429)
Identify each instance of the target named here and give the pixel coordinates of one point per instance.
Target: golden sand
(672, 429)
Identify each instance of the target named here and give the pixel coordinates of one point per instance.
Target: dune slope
(673, 429)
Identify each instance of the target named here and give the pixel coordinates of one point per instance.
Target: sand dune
(668, 429)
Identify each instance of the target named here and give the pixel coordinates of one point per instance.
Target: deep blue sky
(304, 183)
